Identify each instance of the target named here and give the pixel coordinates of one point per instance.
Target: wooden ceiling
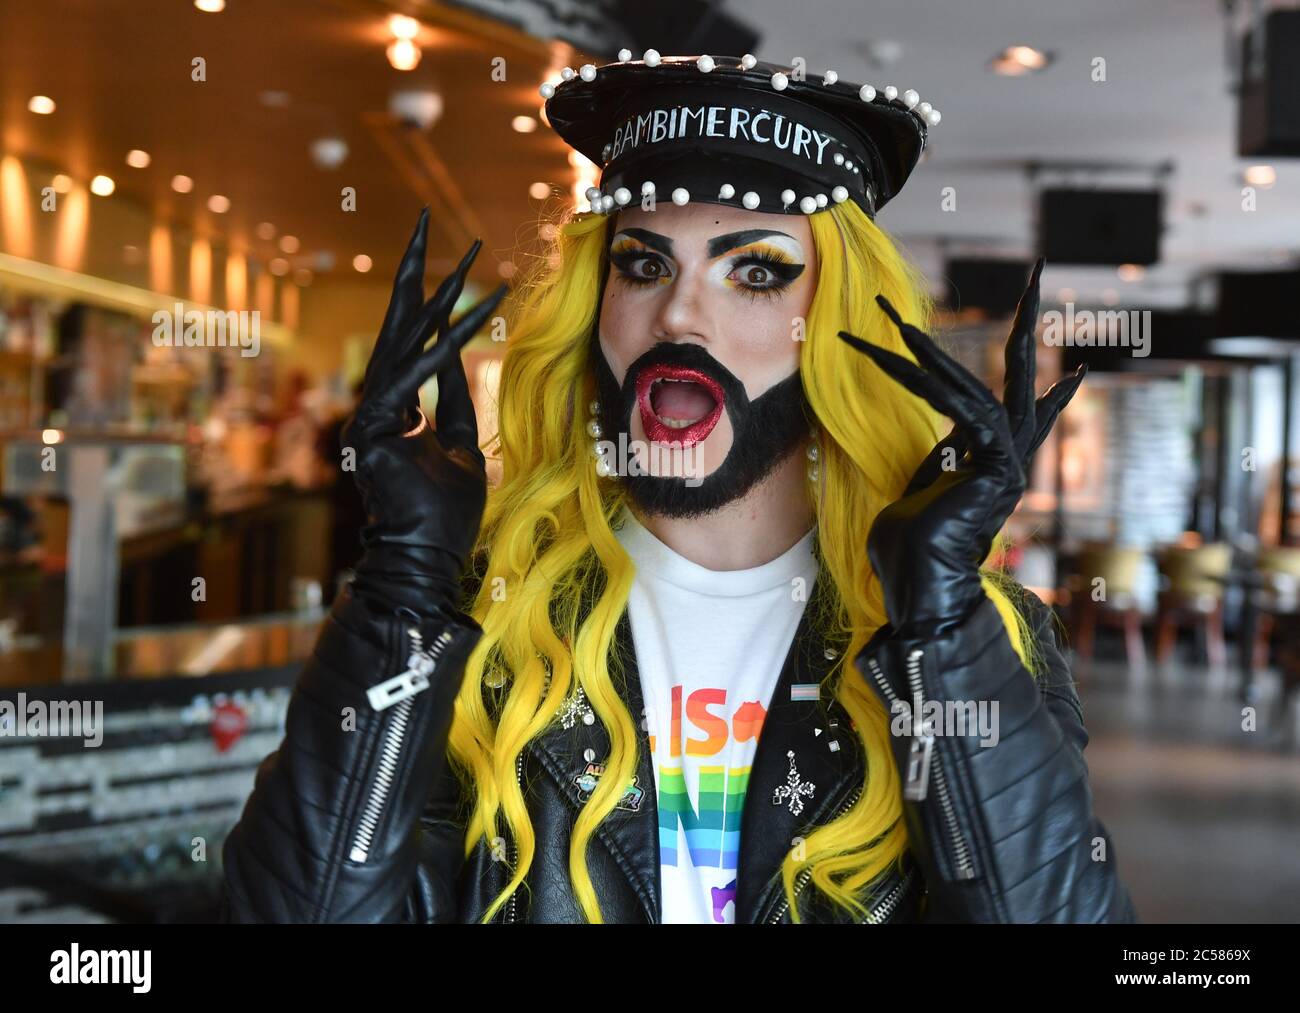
(120, 73)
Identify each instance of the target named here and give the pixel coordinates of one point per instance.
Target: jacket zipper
(920, 761)
(514, 853)
(398, 692)
(802, 879)
(881, 912)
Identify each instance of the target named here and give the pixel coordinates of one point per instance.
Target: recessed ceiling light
(210, 6)
(279, 267)
(266, 231)
(524, 124)
(102, 186)
(137, 159)
(289, 244)
(218, 204)
(539, 190)
(1260, 175)
(182, 184)
(403, 27)
(1015, 61)
(362, 263)
(403, 54)
(61, 183)
(42, 105)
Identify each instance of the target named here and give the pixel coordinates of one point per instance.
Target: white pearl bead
(607, 202)
(727, 192)
(750, 200)
(624, 55)
(787, 197)
(779, 81)
(848, 165)
(866, 93)
(839, 194)
(924, 108)
(651, 57)
(808, 205)
(911, 98)
(567, 73)
(681, 196)
(891, 92)
(592, 193)
(603, 468)
(705, 63)
(594, 430)
(588, 72)
(647, 188)
(748, 61)
(934, 117)
(547, 90)
(838, 158)
(821, 200)
(830, 77)
(622, 195)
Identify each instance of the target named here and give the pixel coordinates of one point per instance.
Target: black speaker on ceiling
(994, 286)
(1100, 226)
(1258, 304)
(1268, 107)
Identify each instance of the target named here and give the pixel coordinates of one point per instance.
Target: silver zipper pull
(419, 666)
(917, 782)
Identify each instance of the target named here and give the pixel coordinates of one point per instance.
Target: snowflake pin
(794, 789)
(575, 709)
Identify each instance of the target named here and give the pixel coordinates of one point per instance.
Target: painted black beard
(766, 430)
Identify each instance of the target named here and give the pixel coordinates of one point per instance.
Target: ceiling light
(279, 267)
(403, 27)
(539, 190)
(210, 6)
(265, 230)
(61, 183)
(102, 186)
(218, 204)
(289, 244)
(42, 105)
(1260, 175)
(403, 54)
(137, 159)
(362, 263)
(1015, 61)
(182, 184)
(524, 124)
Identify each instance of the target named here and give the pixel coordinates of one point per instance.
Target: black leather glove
(423, 488)
(927, 547)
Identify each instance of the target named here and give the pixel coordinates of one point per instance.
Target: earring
(603, 468)
(814, 454)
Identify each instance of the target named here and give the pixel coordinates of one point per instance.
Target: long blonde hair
(556, 580)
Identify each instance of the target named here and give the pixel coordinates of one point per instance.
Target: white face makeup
(735, 282)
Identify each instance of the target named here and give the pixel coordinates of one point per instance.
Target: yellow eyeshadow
(775, 252)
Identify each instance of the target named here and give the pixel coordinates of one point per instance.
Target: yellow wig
(556, 580)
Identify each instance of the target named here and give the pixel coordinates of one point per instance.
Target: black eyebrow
(652, 239)
(716, 247)
(721, 244)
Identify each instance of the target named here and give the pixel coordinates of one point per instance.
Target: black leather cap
(730, 135)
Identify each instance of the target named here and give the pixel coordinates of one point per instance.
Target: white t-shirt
(710, 645)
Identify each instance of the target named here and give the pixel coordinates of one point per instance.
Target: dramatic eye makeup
(758, 263)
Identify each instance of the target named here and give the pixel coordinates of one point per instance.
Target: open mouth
(678, 405)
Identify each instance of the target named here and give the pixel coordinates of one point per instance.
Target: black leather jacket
(358, 817)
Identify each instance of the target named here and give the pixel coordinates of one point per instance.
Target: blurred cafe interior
(174, 521)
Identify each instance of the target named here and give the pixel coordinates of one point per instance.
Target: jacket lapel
(630, 832)
(807, 763)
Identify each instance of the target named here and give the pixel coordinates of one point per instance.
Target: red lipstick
(658, 431)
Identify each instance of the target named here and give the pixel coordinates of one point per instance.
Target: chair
(1102, 591)
(1279, 568)
(1193, 595)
